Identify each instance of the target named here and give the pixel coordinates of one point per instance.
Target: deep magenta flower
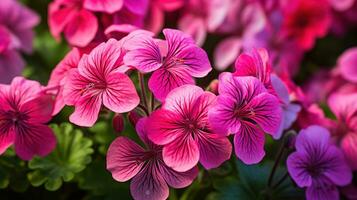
(246, 109)
(150, 175)
(318, 165)
(344, 106)
(24, 111)
(174, 61)
(99, 80)
(181, 126)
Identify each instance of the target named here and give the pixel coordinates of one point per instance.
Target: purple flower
(318, 165)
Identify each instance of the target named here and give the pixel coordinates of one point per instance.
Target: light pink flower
(24, 111)
(150, 176)
(98, 80)
(347, 64)
(344, 106)
(181, 126)
(318, 165)
(174, 62)
(246, 109)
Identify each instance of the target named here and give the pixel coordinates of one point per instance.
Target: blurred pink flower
(98, 80)
(347, 64)
(150, 175)
(24, 111)
(318, 165)
(16, 34)
(245, 108)
(174, 62)
(344, 106)
(182, 126)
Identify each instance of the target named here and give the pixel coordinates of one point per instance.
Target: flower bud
(118, 123)
(133, 117)
(213, 87)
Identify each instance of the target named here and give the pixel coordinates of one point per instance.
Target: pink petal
(280, 88)
(194, 26)
(59, 18)
(124, 159)
(342, 5)
(163, 129)
(138, 6)
(23, 90)
(155, 18)
(347, 64)
(86, 110)
(39, 110)
(108, 6)
(149, 184)
(178, 179)
(81, 30)
(74, 86)
(343, 105)
(162, 81)
(120, 95)
(182, 97)
(7, 136)
(267, 112)
(226, 52)
(249, 143)
(11, 65)
(119, 31)
(295, 162)
(349, 147)
(217, 12)
(214, 150)
(181, 154)
(176, 40)
(146, 57)
(34, 140)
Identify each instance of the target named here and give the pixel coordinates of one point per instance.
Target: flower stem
(143, 89)
(281, 180)
(276, 163)
(152, 102)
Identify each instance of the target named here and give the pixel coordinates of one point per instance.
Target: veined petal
(74, 87)
(86, 110)
(313, 140)
(39, 110)
(322, 189)
(181, 154)
(195, 59)
(23, 90)
(34, 139)
(59, 18)
(176, 41)
(249, 143)
(124, 159)
(7, 134)
(297, 164)
(336, 167)
(120, 94)
(177, 179)
(108, 6)
(162, 81)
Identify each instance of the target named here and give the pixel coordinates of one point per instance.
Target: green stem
(276, 163)
(281, 180)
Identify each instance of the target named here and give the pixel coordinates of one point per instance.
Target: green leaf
(71, 155)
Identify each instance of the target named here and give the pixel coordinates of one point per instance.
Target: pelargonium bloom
(245, 108)
(174, 62)
(99, 80)
(181, 126)
(318, 165)
(24, 111)
(150, 175)
(347, 63)
(344, 106)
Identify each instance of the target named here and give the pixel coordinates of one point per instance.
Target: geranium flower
(347, 63)
(150, 175)
(99, 80)
(344, 106)
(175, 61)
(246, 109)
(318, 165)
(16, 34)
(24, 110)
(181, 126)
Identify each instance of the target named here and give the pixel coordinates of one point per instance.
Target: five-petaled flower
(181, 126)
(24, 110)
(318, 165)
(246, 109)
(99, 79)
(150, 175)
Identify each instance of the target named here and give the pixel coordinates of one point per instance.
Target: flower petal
(86, 110)
(347, 64)
(124, 159)
(336, 167)
(33, 140)
(138, 6)
(322, 189)
(214, 150)
(181, 154)
(196, 61)
(349, 147)
(313, 139)
(249, 143)
(108, 6)
(120, 95)
(73, 88)
(178, 179)
(226, 52)
(39, 110)
(7, 135)
(297, 164)
(182, 97)
(176, 41)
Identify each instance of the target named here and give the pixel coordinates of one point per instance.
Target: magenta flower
(16, 34)
(24, 110)
(344, 106)
(347, 63)
(246, 109)
(181, 126)
(175, 61)
(99, 80)
(150, 176)
(318, 165)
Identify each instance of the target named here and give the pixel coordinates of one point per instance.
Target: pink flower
(246, 109)
(347, 63)
(99, 80)
(174, 61)
(344, 106)
(16, 34)
(150, 176)
(305, 21)
(24, 110)
(181, 126)
(318, 165)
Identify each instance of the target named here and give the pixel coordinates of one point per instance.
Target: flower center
(92, 86)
